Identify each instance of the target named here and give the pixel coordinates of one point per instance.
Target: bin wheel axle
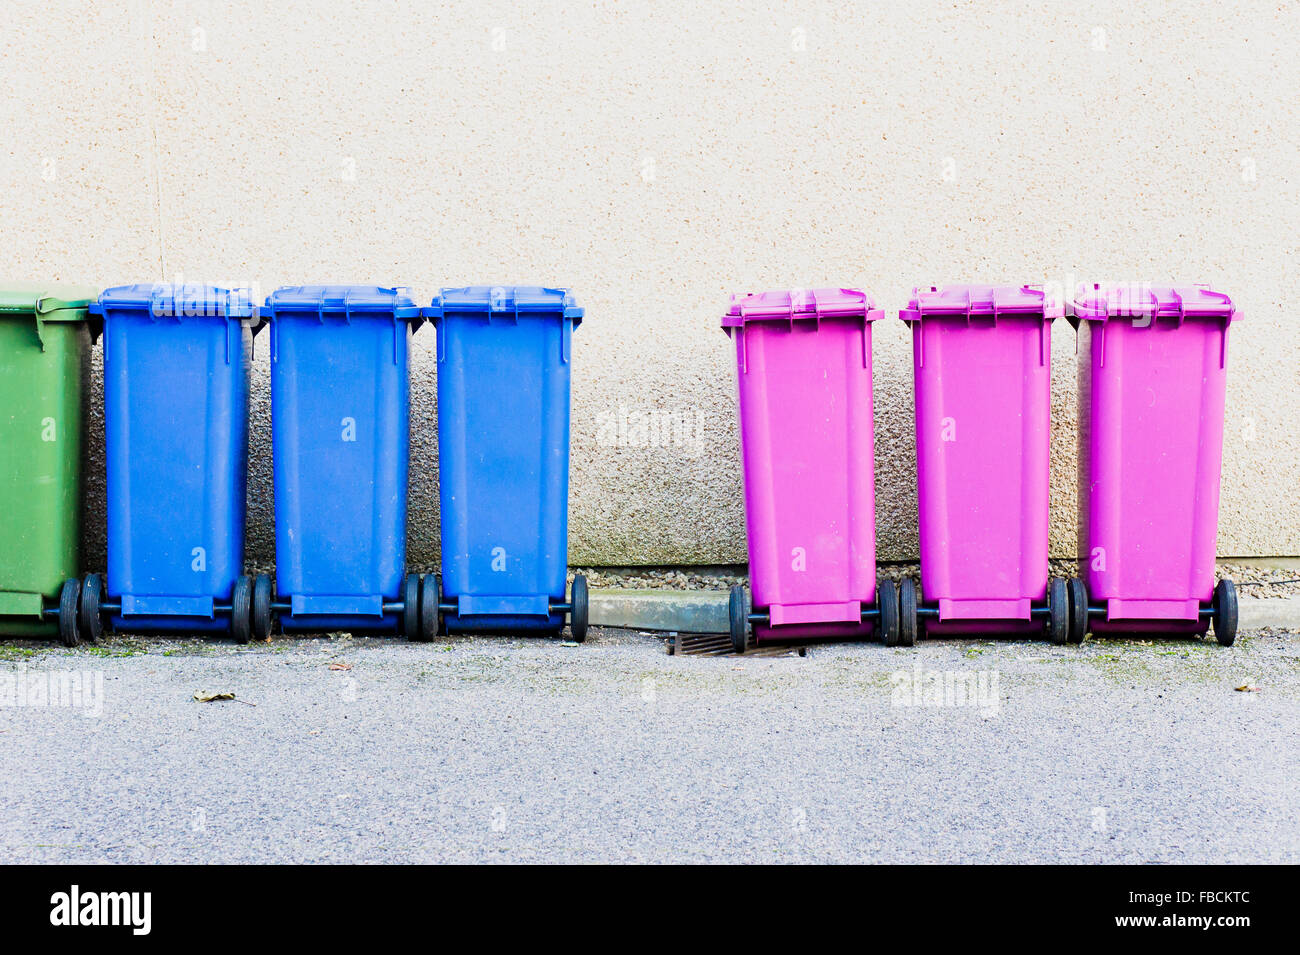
(1222, 612)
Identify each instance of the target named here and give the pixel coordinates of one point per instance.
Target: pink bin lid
(984, 300)
(1097, 303)
(791, 305)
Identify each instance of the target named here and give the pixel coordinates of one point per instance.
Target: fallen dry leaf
(1248, 688)
(338, 665)
(203, 696)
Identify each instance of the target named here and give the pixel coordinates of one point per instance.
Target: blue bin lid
(351, 301)
(521, 301)
(169, 300)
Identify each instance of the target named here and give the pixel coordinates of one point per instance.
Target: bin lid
(521, 301)
(982, 300)
(352, 301)
(45, 303)
(169, 300)
(52, 302)
(1098, 302)
(790, 305)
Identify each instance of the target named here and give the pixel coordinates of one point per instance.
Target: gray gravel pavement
(508, 750)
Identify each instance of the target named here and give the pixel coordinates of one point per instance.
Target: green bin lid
(53, 303)
(45, 303)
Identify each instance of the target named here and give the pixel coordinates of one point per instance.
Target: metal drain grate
(719, 644)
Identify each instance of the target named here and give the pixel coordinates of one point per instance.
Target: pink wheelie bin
(1152, 377)
(803, 362)
(982, 365)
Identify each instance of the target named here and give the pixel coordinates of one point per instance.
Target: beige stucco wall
(657, 157)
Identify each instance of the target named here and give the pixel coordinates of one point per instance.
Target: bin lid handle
(39, 311)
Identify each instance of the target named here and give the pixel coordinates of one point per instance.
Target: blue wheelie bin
(340, 411)
(504, 358)
(176, 363)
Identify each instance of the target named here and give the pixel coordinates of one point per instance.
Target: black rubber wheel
(887, 603)
(1225, 613)
(578, 615)
(738, 618)
(1058, 611)
(431, 624)
(69, 604)
(411, 608)
(909, 626)
(241, 610)
(263, 616)
(1078, 601)
(89, 623)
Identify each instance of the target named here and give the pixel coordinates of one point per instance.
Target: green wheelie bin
(46, 335)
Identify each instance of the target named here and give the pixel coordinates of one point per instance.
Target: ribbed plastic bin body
(176, 439)
(45, 341)
(340, 409)
(1153, 373)
(804, 369)
(504, 361)
(982, 367)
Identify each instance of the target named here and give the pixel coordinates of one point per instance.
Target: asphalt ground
(498, 749)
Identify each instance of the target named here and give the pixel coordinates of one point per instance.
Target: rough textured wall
(656, 157)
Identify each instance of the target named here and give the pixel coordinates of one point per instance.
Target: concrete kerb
(706, 611)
